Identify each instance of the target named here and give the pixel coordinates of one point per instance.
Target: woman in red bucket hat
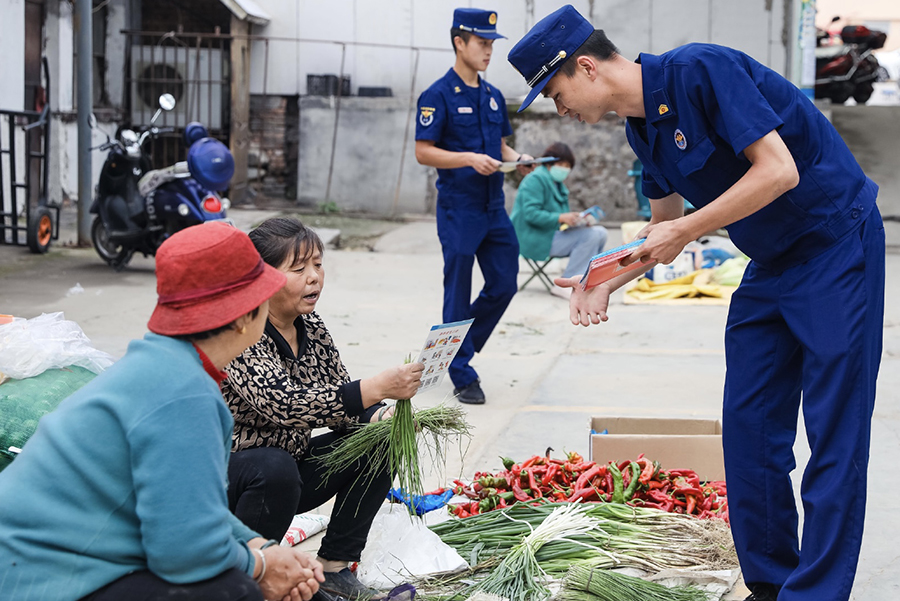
(121, 492)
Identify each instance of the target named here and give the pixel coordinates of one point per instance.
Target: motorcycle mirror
(167, 102)
(92, 121)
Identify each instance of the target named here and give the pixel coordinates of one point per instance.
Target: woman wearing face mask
(542, 208)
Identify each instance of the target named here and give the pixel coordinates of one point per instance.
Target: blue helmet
(194, 131)
(211, 163)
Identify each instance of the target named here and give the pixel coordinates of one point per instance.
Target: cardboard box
(677, 443)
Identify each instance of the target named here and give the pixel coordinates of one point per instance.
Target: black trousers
(267, 487)
(231, 585)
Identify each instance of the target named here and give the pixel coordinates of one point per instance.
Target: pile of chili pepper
(641, 483)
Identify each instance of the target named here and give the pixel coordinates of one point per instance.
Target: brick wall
(274, 132)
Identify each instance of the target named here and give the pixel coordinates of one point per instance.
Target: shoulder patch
(426, 115)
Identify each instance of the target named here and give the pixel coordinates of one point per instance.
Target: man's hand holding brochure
(590, 294)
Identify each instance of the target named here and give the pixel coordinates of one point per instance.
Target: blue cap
(482, 23)
(543, 50)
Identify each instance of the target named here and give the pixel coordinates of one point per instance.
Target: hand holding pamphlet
(509, 166)
(606, 266)
(588, 217)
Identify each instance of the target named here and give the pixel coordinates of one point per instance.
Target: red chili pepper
(529, 462)
(646, 470)
(691, 504)
(574, 457)
(518, 492)
(608, 481)
(532, 483)
(623, 465)
(437, 491)
(586, 477)
(584, 494)
(549, 475)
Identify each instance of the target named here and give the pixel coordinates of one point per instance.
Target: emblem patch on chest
(464, 110)
(680, 140)
(493, 103)
(426, 115)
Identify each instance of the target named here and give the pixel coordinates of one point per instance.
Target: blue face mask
(559, 174)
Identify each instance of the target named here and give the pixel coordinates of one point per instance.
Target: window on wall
(100, 15)
(34, 33)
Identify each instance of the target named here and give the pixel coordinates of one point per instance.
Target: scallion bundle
(624, 536)
(519, 576)
(589, 583)
(393, 444)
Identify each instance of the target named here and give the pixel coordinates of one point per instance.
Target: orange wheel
(40, 230)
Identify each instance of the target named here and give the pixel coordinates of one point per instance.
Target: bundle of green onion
(588, 583)
(624, 536)
(519, 577)
(393, 444)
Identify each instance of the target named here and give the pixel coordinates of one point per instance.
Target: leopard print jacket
(278, 399)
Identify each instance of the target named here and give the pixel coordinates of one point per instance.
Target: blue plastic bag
(421, 504)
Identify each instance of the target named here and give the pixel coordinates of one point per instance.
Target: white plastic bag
(400, 548)
(29, 347)
(303, 526)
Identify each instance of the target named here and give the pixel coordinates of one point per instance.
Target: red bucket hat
(206, 277)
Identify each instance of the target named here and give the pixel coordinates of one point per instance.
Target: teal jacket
(539, 203)
(129, 473)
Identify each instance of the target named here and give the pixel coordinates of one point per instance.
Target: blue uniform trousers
(488, 235)
(816, 330)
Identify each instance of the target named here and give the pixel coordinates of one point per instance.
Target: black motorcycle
(137, 207)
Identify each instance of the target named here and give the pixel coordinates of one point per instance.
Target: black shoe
(763, 592)
(345, 584)
(471, 394)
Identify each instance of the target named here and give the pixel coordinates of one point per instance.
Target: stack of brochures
(606, 266)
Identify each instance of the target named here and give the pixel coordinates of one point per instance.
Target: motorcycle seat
(157, 177)
(830, 51)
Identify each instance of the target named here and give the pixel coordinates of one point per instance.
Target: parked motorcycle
(137, 207)
(848, 69)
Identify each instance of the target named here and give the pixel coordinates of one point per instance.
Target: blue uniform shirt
(704, 105)
(460, 118)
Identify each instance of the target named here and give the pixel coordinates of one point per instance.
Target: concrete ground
(543, 377)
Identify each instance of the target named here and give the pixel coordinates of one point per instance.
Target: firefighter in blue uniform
(756, 156)
(460, 130)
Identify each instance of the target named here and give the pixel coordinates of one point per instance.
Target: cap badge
(663, 109)
(680, 140)
(493, 103)
(493, 19)
(426, 116)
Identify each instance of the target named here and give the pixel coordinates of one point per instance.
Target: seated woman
(542, 207)
(120, 493)
(283, 387)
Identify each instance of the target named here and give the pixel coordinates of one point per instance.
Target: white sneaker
(561, 292)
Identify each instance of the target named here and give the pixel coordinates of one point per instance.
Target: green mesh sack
(24, 402)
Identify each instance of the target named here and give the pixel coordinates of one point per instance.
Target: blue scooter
(137, 207)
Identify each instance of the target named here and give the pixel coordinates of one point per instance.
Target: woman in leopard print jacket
(284, 386)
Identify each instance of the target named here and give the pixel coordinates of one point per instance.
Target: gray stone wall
(374, 169)
(602, 160)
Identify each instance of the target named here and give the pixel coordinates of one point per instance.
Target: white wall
(12, 51)
(634, 25)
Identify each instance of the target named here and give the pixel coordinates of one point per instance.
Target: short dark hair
(278, 238)
(456, 32)
(205, 335)
(560, 151)
(597, 45)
